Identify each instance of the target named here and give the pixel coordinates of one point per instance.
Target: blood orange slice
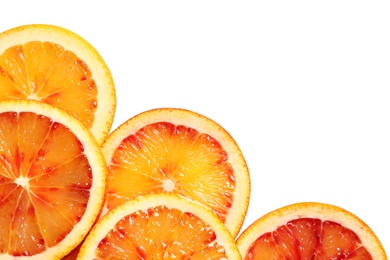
(52, 180)
(160, 226)
(178, 151)
(310, 231)
(54, 65)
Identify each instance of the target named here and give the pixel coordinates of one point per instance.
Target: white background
(302, 86)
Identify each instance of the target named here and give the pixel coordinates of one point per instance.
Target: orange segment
(159, 226)
(178, 151)
(52, 178)
(56, 66)
(308, 231)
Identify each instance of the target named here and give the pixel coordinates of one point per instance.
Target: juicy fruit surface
(160, 233)
(45, 181)
(47, 72)
(163, 157)
(160, 226)
(308, 238)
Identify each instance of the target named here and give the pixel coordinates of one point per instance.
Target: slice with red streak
(178, 151)
(52, 180)
(310, 230)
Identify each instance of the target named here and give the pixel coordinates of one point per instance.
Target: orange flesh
(45, 71)
(162, 157)
(44, 183)
(308, 238)
(160, 233)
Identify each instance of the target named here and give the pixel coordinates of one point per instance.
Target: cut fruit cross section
(160, 226)
(178, 151)
(310, 230)
(52, 180)
(56, 66)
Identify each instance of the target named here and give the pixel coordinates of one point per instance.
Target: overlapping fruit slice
(160, 226)
(54, 65)
(310, 231)
(178, 151)
(52, 180)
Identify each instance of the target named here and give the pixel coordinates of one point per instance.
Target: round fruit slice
(178, 151)
(54, 65)
(52, 180)
(160, 226)
(310, 230)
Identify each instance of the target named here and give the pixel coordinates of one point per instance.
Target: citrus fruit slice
(160, 226)
(54, 65)
(310, 230)
(179, 151)
(52, 180)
